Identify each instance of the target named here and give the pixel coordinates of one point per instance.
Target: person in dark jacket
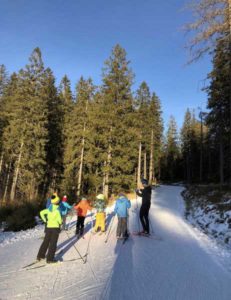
(145, 193)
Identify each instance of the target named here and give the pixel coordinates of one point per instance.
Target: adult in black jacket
(145, 193)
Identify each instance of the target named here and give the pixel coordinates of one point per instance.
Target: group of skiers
(54, 217)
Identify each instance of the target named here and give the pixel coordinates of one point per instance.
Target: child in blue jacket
(64, 209)
(121, 209)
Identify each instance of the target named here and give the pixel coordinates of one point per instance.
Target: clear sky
(76, 37)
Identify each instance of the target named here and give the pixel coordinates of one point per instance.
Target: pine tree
(219, 105)
(117, 99)
(172, 152)
(76, 138)
(155, 136)
(54, 145)
(3, 86)
(25, 135)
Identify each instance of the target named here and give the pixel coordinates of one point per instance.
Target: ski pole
(72, 213)
(76, 249)
(109, 230)
(87, 250)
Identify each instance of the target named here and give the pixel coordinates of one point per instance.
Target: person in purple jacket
(121, 209)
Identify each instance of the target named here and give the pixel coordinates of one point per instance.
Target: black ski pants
(49, 243)
(144, 210)
(80, 225)
(122, 227)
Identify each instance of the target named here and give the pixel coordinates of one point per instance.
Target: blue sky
(76, 37)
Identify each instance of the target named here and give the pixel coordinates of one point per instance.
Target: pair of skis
(33, 266)
(141, 234)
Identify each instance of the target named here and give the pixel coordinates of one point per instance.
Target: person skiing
(99, 205)
(82, 207)
(121, 209)
(64, 209)
(145, 193)
(54, 221)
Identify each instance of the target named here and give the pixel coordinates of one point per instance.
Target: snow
(211, 220)
(10, 237)
(183, 264)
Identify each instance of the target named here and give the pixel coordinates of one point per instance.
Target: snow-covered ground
(181, 264)
(212, 219)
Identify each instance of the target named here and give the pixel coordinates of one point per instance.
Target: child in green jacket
(53, 222)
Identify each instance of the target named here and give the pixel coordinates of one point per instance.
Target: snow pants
(49, 243)
(144, 210)
(64, 218)
(80, 225)
(122, 227)
(100, 221)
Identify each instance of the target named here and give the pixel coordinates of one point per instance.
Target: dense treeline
(105, 138)
(204, 151)
(95, 139)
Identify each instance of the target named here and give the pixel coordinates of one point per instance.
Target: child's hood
(122, 199)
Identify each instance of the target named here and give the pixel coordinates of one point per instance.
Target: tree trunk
(107, 173)
(201, 149)
(159, 167)
(7, 184)
(188, 168)
(139, 165)
(145, 165)
(1, 163)
(221, 154)
(81, 163)
(82, 155)
(151, 165)
(15, 178)
(106, 185)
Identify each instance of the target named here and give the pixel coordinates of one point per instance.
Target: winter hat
(122, 195)
(55, 199)
(144, 181)
(100, 197)
(64, 198)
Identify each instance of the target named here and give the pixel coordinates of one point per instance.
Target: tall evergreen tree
(76, 138)
(25, 135)
(117, 98)
(170, 168)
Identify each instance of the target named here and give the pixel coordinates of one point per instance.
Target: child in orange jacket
(82, 207)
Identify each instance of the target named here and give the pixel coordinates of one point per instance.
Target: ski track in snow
(184, 264)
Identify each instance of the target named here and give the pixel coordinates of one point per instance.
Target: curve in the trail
(182, 266)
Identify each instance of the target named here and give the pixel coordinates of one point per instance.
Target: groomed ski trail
(183, 265)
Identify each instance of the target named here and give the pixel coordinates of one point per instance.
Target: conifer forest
(105, 138)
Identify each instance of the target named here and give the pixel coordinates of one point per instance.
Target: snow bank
(10, 237)
(212, 219)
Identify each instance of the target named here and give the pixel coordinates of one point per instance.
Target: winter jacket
(121, 207)
(82, 207)
(52, 216)
(99, 205)
(146, 195)
(64, 207)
